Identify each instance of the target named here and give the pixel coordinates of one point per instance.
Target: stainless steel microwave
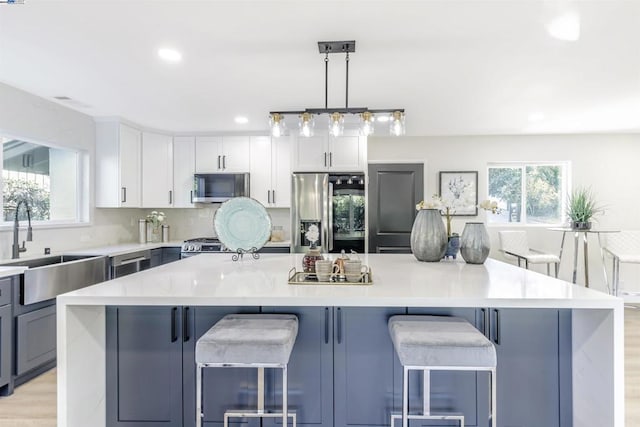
(219, 187)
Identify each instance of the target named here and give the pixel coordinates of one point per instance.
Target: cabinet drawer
(5, 291)
(36, 339)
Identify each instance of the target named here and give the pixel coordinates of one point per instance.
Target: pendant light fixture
(336, 116)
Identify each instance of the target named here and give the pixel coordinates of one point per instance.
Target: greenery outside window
(528, 193)
(47, 178)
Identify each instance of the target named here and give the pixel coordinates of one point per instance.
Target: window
(46, 178)
(528, 193)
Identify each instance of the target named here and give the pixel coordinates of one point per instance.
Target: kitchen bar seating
(248, 341)
(426, 343)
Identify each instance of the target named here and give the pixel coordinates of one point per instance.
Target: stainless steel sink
(50, 276)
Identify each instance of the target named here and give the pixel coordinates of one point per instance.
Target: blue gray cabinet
(533, 365)
(156, 257)
(170, 254)
(310, 369)
(451, 391)
(150, 366)
(366, 369)
(6, 338)
(144, 366)
(35, 339)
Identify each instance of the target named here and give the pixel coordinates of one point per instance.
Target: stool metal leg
(199, 395)
(426, 392)
(494, 398)
(405, 397)
(285, 416)
(261, 391)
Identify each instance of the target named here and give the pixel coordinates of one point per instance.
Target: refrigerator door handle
(330, 225)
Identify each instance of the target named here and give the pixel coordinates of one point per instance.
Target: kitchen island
(588, 329)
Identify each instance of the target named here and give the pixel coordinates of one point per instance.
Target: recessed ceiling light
(169, 55)
(241, 120)
(565, 27)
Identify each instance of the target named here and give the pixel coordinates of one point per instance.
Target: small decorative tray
(302, 278)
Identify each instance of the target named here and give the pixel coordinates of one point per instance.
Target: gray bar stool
(248, 341)
(427, 343)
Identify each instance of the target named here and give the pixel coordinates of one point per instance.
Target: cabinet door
(528, 366)
(130, 142)
(223, 388)
(208, 154)
(184, 166)
(144, 366)
(170, 255)
(36, 339)
(260, 172)
(281, 172)
(235, 153)
(451, 391)
(311, 154)
(310, 369)
(367, 372)
(6, 344)
(157, 171)
(346, 153)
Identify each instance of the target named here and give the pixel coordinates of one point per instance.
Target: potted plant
(581, 208)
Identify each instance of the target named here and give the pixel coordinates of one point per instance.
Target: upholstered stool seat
(429, 343)
(248, 341)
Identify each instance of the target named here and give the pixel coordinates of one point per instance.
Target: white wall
(35, 119)
(609, 164)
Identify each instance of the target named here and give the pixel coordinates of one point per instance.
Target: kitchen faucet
(15, 248)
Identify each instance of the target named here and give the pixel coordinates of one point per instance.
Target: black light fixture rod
(326, 80)
(351, 110)
(346, 92)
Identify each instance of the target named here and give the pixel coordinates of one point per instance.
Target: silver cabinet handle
(268, 196)
(325, 159)
(326, 325)
(496, 338)
(273, 196)
(170, 196)
(123, 192)
(339, 326)
(330, 159)
(191, 196)
(219, 162)
(224, 162)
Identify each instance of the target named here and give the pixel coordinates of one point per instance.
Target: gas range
(201, 245)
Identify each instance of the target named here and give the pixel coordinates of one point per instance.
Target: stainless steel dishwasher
(129, 263)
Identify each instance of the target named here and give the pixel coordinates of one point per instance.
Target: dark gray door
(367, 372)
(310, 369)
(5, 344)
(394, 191)
(144, 366)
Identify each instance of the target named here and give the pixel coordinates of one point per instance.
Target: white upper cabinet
(118, 162)
(270, 172)
(327, 153)
(216, 154)
(157, 170)
(184, 166)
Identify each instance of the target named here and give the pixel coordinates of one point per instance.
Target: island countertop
(398, 280)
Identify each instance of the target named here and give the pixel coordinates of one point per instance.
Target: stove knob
(192, 248)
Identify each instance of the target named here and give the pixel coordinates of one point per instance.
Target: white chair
(515, 243)
(624, 247)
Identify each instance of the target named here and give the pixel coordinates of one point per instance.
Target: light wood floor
(34, 403)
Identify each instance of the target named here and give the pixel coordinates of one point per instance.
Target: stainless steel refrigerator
(334, 203)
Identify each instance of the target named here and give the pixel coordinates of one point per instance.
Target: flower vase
(453, 247)
(474, 243)
(428, 236)
(153, 234)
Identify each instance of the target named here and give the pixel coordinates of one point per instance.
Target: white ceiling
(457, 67)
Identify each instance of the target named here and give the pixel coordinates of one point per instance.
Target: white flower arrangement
(490, 205)
(156, 218)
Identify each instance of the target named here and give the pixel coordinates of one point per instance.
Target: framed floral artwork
(459, 191)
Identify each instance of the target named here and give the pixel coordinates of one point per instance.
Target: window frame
(82, 215)
(522, 165)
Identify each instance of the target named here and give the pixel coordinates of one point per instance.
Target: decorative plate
(242, 223)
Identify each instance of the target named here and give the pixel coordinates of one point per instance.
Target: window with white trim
(48, 179)
(528, 193)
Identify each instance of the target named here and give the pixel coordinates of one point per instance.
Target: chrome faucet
(16, 249)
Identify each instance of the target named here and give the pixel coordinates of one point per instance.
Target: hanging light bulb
(366, 124)
(396, 123)
(306, 124)
(277, 125)
(336, 124)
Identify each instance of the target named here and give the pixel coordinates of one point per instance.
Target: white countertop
(399, 280)
(11, 271)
